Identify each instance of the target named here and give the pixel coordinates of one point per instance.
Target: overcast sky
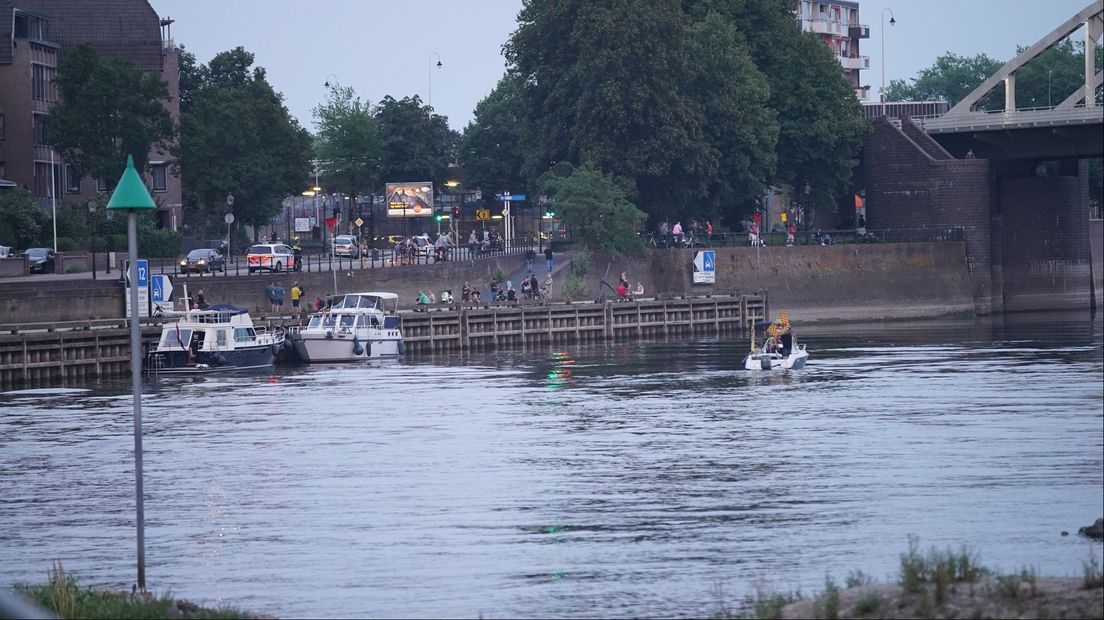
(388, 47)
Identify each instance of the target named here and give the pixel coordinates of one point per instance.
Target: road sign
(229, 219)
(359, 222)
(161, 289)
(511, 197)
(143, 277)
(705, 267)
(482, 214)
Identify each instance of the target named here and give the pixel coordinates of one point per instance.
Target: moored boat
(356, 326)
(219, 338)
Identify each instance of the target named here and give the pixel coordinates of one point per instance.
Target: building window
(39, 129)
(2, 127)
(42, 179)
(101, 185)
(29, 26)
(160, 176)
(42, 83)
(72, 179)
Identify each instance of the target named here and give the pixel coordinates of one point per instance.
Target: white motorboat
(786, 355)
(219, 338)
(356, 326)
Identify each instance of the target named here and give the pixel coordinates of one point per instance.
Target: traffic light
(438, 217)
(456, 213)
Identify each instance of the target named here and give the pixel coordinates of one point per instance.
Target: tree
(821, 127)
(348, 142)
(21, 221)
(742, 130)
(108, 109)
(603, 83)
(490, 149)
(238, 137)
(415, 142)
(596, 209)
(952, 77)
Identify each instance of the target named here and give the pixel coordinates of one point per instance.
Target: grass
(827, 605)
(1091, 576)
(939, 568)
(1010, 585)
(65, 598)
(868, 604)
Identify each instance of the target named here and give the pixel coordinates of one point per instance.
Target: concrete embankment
(841, 282)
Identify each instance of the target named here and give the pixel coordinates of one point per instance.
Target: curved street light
(892, 21)
(439, 65)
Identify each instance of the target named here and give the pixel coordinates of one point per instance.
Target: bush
(66, 244)
(159, 243)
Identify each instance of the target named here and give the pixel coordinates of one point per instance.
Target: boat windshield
(347, 320)
(315, 321)
(329, 321)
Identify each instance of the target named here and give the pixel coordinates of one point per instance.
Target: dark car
(40, 260)
(203, 260)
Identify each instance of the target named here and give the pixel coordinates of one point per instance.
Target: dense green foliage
(1043, 82)
(490, 150)
(236, 137)
(595, 209)
(348, 143)
(109, 109)
(21, 221)
(693, 107)
(416, 142)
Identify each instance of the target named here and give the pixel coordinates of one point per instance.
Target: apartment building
(837, 24)
(33, 33)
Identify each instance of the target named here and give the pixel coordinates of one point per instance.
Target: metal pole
(53, 198)
(892, 21)
(136, 387)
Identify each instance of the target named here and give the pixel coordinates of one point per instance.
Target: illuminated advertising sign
(410, 199)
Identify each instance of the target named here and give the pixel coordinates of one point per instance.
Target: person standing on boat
(200, 301)
(784, 334)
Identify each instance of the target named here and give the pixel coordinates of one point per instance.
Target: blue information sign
(143, 273)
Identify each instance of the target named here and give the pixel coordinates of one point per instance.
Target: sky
(391, 47)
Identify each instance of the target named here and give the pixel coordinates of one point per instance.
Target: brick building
(33, 33)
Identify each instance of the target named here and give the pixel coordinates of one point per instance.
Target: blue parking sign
(143, 273)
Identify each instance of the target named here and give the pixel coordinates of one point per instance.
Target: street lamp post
(1050, 72)
(892, 21)
(439, 65)
(92, 206)
(229, 220)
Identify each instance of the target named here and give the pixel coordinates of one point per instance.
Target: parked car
(423, 246)
(271, 256)
(5, 251)
(346, 245)
(203, 260)
(40, 260)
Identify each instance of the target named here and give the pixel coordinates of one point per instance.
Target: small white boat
(217, 339)
(356, 326)
(789, 356)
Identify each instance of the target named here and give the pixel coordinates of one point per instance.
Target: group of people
(623, 292)
(276, 294)
(676, 236)
(780, 335)
(505, 292)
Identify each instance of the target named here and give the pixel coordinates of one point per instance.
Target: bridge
(1015, 181)
(1072, 129)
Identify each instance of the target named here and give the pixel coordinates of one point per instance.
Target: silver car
(346, 245)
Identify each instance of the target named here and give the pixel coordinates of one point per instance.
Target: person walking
(548, 257)
(676, 232)
(530, 254)
(708, 233)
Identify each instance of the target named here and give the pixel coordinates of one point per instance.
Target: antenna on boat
(751, 320)
(187, 304)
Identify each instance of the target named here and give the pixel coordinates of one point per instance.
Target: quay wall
(839, 282)
(1096, 249)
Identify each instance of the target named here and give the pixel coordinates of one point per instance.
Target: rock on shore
(1094, 531)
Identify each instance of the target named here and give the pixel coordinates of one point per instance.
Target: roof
(380, 295)
(118, 28)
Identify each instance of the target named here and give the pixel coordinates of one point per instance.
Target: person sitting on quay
(423, 302)
(638, 292)
(526, 287)
(511, 294)
(466, 292)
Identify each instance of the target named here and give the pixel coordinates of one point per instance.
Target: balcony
(862, 93)
(858, 31)
(824, 26)
(856, 62)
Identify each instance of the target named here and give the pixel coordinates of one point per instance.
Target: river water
(629, 479)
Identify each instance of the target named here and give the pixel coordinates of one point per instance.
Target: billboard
(410, 199)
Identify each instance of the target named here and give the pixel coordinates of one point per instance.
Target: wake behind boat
(780, 351)
(219, 338)
(356, 326)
